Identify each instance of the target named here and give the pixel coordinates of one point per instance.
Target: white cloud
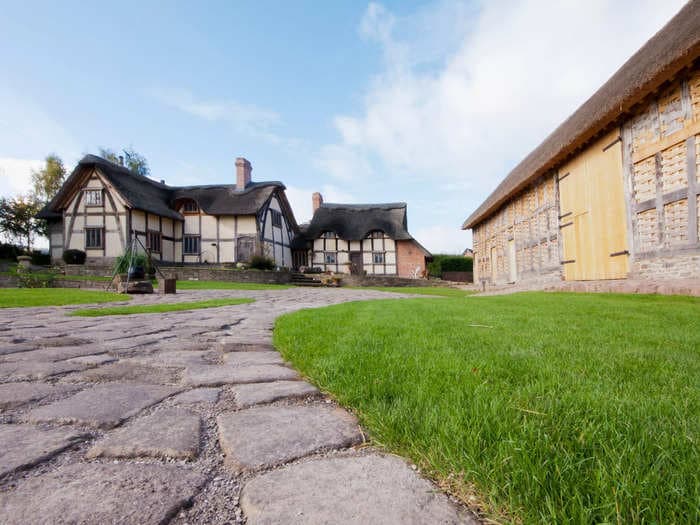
(16, 175)
(443, 239)
(246, 118)
(465, 94)
(300, 199)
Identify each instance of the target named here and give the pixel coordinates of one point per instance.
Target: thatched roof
(670, 50)
(352, 222)
(143, 193)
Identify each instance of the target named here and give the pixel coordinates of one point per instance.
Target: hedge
(450, 263)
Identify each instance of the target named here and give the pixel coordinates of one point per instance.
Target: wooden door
(356, 266)
(245, 248)
(593, 221)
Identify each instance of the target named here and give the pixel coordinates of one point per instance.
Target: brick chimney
(316, 200)
(243, 169)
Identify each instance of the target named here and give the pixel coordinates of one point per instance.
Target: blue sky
(425, 102)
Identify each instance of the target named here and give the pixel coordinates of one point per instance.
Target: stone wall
(386, 280)
(202, 273)
(458, 277)
(666, 268)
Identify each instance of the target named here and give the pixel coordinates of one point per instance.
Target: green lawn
(546, 408)
(158, 308)
(227, 285)
(20, 297)
(421, 290)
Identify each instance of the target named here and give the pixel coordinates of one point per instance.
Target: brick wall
(666, 268)
(408, 258)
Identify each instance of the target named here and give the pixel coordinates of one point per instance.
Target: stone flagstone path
(187, 417)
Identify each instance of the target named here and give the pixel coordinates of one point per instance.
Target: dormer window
(376, 234)
(329, 235)
(190, 207)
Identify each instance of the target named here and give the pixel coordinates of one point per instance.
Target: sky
(431, 103)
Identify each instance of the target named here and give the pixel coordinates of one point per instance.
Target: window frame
(192, 204)
(276, 218)
(334, 255)
(94, 191)
(151, 234)
(101, 231)
(185, 238)
(382, 255)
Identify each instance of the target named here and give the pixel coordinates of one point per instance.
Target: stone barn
(614, 191)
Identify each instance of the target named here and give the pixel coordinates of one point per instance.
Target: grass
(422, 290)
(227, 285)
(158, 308)
(24, 297)
(543, 408)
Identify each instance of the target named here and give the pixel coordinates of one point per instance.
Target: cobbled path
(187, 417)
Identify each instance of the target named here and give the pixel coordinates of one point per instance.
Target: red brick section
(408, 257)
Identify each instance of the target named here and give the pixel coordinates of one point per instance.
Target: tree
(18, 220)
(47, 181)
(133, 160)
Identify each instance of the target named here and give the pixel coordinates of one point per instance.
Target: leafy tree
(47, 181)
(133, 160)
(18, 222)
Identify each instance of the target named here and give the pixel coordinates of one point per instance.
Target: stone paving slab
(17, 394)
(126, 370)
(60, 340)
(93, 493)
(55, 354)
(267, 436)
(103, 406)
(217, 375)
(198, 395)
(170, 433)
(258, 393)
(245, 347)
(176, 358)
(351, 490)
(253, 358)
(22, 446)
(93, 360)
(28, 370)
(13, 348)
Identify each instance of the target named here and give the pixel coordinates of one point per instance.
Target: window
(276, 218)
(378, 257)
(328, 235)
(376, 234)
(93, 197)
(153, 241)
(93, 237)
(191, 245)
(190, 207)
(331, 257)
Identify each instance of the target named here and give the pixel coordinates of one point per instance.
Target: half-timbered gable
(370, 239)
(103, 206)
(613, 193)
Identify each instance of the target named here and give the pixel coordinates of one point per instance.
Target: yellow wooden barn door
(593, 220)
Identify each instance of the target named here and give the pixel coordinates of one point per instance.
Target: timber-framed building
(613, 192)
(371, 239)
(102, 206)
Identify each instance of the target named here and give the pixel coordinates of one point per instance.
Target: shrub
(457, 264)
(449, 263)
(260, 262)
(29, 279)
(40, 259)
(121, 265)
(10, 251)
(74, 257)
